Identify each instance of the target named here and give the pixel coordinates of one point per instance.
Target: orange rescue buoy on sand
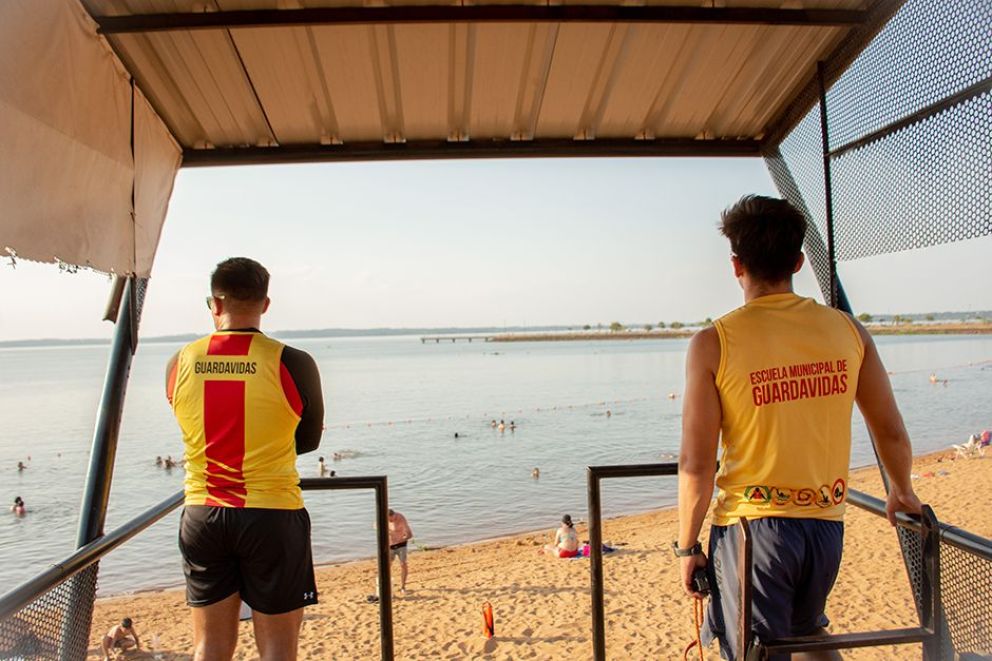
(488, 625)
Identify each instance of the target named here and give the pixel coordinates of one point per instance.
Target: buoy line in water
(980, 363)
(489, 415)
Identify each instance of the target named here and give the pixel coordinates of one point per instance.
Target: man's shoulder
(299, 357)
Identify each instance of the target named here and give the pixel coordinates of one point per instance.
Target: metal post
(827, 182)
(93, 512)
(596, 568)
(385, 583)
(930, 607)
(96, 495)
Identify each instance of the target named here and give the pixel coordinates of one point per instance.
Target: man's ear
(738, 268)
(265, 308)
(799, 262)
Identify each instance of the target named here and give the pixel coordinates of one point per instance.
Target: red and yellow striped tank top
(238, 409)
(787, 379)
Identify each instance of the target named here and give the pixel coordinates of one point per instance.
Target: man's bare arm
(878, 406)
(170, 376)
(701, 420)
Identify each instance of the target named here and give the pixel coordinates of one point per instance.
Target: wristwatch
(695, 549)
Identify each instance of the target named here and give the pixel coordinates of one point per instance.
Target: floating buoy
(488, 624)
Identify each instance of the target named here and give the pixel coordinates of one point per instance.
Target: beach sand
(541, 604)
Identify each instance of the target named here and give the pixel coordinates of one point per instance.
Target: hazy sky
(469, 243)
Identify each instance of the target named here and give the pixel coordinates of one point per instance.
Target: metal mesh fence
(56, 625)
(917, 105)
(966, 594)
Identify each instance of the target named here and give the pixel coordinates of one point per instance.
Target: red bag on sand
(488, 625)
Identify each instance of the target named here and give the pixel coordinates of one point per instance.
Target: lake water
(397, 403)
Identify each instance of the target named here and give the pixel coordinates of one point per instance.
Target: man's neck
(756, 289)
(235, 322)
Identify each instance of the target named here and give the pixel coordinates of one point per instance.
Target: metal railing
(962, 591)
(39, 618)
(929, 633)
(595, 474)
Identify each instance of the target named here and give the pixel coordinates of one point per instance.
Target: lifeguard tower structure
(874, 117)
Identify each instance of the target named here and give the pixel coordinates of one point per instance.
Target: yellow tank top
(787, 379)
(238, 409)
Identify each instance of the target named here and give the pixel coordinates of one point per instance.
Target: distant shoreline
(964, 328)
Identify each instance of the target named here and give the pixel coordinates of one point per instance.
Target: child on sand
(119, 639)
(566, 540)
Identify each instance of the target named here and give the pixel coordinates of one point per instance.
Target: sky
(469, 243)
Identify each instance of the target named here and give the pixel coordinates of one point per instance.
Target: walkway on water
(437, 339)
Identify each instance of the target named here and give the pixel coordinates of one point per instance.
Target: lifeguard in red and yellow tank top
(238, 408)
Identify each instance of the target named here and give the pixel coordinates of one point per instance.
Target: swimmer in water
(456, 435)
(18, 508)
(492, 423)
(536, 473)
(502, 426)
(513, 425)
(20, 466)
(321, 467)
(609, 413)
(158, 461)
(933, 377)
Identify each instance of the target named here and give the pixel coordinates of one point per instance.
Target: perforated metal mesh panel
(918, 105)
(56, 625)
(966, 594)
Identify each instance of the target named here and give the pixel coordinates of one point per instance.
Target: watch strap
(695, 549)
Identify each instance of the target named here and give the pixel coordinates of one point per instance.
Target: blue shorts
(795, 563)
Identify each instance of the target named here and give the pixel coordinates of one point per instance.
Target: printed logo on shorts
(308, 595)
(757, 494)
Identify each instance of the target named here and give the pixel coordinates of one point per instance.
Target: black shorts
(263, 554)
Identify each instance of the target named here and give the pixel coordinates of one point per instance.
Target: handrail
(21, 596)
(28, 591)
(595, 474)
(950, 535)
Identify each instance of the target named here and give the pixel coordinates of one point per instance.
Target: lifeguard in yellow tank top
(787, 379)
(238, 409)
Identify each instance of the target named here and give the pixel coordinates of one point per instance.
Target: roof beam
(259, 18)
(442, 149)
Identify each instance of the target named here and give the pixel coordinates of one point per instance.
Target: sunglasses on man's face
(210, 301)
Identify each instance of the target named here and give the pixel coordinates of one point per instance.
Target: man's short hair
(766, 234)
(240, 278)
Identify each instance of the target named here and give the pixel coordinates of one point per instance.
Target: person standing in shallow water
(247, 406)
(791, 482)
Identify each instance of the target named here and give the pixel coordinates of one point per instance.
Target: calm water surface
(396, 405)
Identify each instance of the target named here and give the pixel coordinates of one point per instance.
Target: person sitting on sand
(18, 507)
(119, 639)
(566, 540)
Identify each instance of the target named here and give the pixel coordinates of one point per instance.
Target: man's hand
(689, 565)
(899, 501)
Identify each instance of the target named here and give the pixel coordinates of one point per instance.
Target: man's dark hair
(126, 623)
(240, 278)
(766, 234)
